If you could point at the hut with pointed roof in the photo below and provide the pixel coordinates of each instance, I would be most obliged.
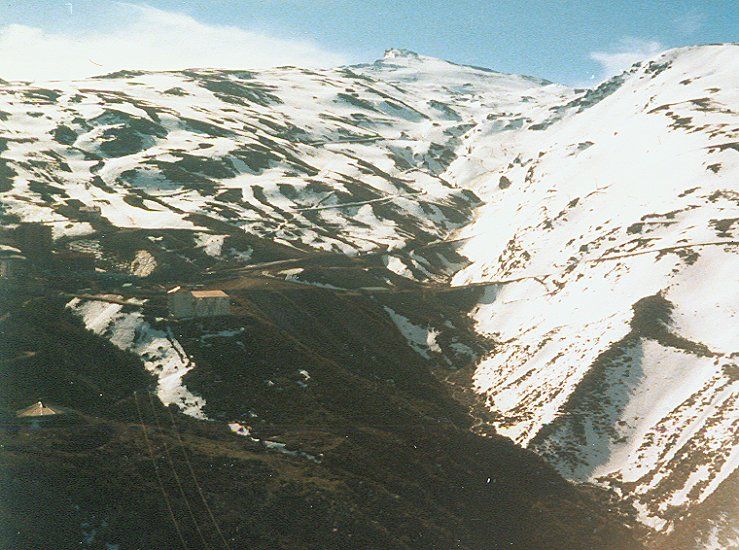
(38, 409)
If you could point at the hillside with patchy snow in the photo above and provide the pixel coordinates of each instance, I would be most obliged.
(346, 159)
(601, 224)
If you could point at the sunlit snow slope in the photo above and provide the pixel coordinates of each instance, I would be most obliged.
(617, 346)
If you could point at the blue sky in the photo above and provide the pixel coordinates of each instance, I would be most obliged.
(569, 41)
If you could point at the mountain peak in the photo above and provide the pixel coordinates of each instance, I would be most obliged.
(400, 53)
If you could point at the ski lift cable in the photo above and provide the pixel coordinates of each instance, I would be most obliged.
(195, 480)
(158, 475)
(176, 475)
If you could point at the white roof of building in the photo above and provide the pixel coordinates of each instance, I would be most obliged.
(209, 294)
(199, 293)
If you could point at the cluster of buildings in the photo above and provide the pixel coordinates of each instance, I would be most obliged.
(32, 248)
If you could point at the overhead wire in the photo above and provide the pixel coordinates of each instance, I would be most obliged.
(195, 480)
(176, 475)
(158, 474)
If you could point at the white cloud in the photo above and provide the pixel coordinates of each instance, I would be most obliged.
(149, 39)
(628, 52)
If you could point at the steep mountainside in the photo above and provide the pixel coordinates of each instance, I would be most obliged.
(615, 218)
(407, 231)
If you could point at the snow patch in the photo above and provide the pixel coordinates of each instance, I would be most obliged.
(161, 353)
(422, 340)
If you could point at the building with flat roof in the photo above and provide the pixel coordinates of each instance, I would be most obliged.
(185, 303)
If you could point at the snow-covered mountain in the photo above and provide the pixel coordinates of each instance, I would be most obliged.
(347, 159)
(616, 219)
(600, 223)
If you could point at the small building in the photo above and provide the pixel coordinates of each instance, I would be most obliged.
(93, 210)
(38, 409)
(197, 303)
(11, 263)
(89, 212)
(34, 239)
(73, 261)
